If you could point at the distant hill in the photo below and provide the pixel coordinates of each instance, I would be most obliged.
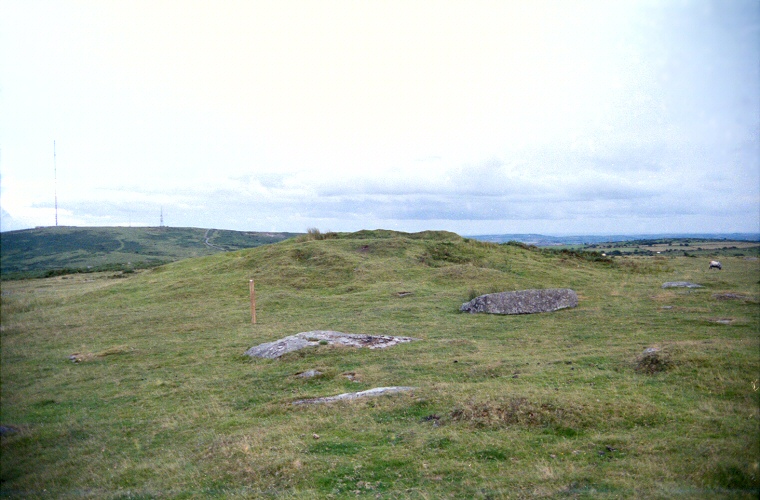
(47, 251)
(543, 240)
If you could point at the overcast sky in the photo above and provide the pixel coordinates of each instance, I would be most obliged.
(554, 117)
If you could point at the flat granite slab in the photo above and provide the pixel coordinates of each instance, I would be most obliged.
(272, 350)
(522, 302)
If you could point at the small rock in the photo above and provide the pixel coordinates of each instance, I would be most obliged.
(315, 436)
(7, 430)
(309, 374)
(728, 296)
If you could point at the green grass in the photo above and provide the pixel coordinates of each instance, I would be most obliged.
(163, 404)
(56, 251)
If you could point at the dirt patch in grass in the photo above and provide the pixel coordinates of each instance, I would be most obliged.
(747, 299)
(83, 357)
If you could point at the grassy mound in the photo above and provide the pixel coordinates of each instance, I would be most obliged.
(163, 403)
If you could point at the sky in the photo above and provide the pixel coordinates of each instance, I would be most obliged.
(478, 117)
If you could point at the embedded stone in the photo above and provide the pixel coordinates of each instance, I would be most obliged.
(377, 391)
(272, 350)
(522, 302)
(680, 284)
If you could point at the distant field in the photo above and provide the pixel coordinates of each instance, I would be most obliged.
(680, 246)
(63, 250)
(162, 402)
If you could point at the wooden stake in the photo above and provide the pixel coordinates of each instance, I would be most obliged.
(252, 289)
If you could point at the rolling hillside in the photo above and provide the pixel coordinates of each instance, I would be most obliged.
(63, 250)
(162, 402)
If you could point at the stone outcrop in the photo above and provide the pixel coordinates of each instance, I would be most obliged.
(377, 391)
(680, 284)
(522, 302)
(301, 340)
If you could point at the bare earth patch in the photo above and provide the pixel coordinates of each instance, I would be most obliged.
(83, 357)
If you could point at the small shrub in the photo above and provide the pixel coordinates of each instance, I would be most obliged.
(652, 360)
(520, 244)
(315, 234)
(301, 255)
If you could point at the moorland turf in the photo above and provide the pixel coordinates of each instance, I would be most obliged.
(162, 402)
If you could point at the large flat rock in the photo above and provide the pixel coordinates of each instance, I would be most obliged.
(522, 302)
(301, 340)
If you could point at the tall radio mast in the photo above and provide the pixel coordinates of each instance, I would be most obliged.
(55, 182)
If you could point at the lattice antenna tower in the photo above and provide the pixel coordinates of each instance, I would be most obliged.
(161, 224)
(55, 185)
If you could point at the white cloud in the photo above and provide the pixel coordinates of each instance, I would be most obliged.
(398, 113)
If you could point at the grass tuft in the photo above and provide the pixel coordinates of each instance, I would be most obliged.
(512, 412)
(653, 360)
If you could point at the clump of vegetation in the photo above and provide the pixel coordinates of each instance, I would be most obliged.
(566, 253)
(513, 411)
(314, 234)
(587, 255)
(653, 360)
(520, 244)
(654, 265)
